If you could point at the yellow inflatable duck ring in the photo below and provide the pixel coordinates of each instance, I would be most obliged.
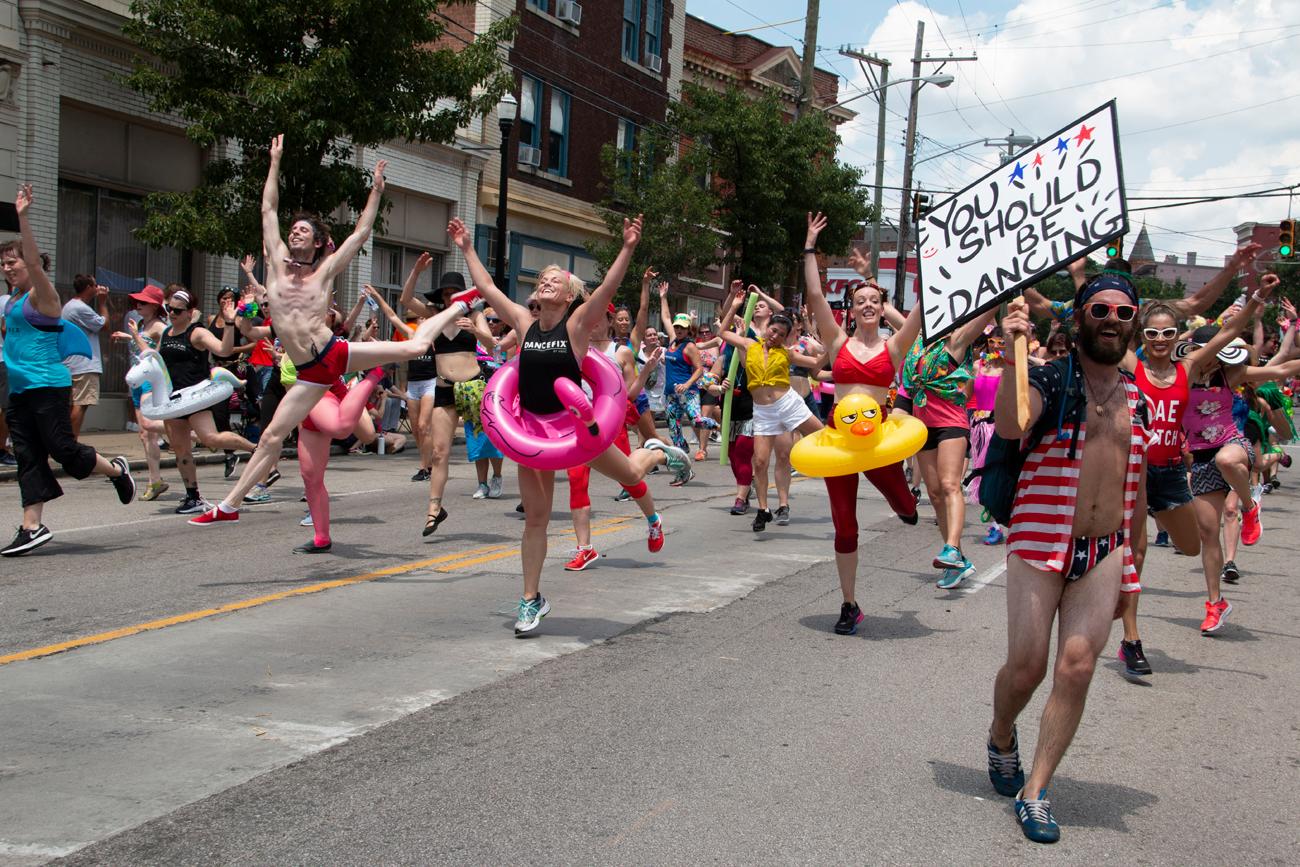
(861, 439)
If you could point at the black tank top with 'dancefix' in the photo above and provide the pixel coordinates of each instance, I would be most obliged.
(545, 357)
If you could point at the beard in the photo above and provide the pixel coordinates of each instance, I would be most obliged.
(1092, 345)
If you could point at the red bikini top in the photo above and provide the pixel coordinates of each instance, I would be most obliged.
(878, 370)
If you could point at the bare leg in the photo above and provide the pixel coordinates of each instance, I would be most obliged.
(1209, 514)
(178, 434)
(582, 526)
(1032, 599)
(1231, 525)
(929, 463)
(781, 446)
(294, 407)
(78, 416)
(441, 429)
(762, 457)
(537, 487)
(1180, 524)
(629, 470)
(1087, 610)
(149, 431)
(206, 429)
(951, 461)
(1234, 466)
(645, 426)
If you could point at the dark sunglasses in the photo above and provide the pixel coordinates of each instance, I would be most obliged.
(1123, 312)
(177, 311)
(534, 307)
(1159, 333)
(492, 320)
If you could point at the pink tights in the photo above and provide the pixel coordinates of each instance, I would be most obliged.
(335, 416)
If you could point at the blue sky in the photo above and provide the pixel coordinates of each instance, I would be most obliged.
(1207, 92)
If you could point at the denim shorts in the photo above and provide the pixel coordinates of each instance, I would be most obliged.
(1167, 488)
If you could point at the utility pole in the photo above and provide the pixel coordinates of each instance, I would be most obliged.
(881, 96)
(806, 92)
(904, 214)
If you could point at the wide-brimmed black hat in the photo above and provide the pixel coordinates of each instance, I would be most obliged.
(451, 280)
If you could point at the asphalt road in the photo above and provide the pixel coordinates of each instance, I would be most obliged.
(681, 708)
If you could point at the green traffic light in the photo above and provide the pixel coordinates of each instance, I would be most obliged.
(1284, 250)
(1112, 252)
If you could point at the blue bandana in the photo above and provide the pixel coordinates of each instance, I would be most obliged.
(1102, 282)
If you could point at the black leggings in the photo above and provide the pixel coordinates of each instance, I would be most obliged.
(41, 427)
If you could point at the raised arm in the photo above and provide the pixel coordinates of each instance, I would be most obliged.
(408, 299)
(1201, 300)
(44, 297)
(776, 306)
(738, 295)
(515, 314)
(643, 309)
(402, 328)
(276, 251)
(350, 321)
(204, 339)
(1200, 359)
(963, 337)
(337, 261)
(592, 311)
(814, 293)
(904, 336)
(664, 316)
(893, 316)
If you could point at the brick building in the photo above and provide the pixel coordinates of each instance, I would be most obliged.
(589, 75)
(92, 149)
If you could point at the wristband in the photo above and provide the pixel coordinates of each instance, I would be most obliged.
(808, 250)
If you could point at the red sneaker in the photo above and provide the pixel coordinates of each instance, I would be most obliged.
(1251, 529)
(582, 558)
(1215, 614)
(655, 541)
(215, 516)
(469, 296)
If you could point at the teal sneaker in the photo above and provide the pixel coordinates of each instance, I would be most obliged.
(1035, 818)
(679, 463)
(948, 558)
(1005, 772)
(953, 576)
(259, 494)
(531, 612)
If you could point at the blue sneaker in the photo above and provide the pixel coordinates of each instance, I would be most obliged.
(995, 535)
(531, 612)
(1005, 772)
(1162, 539)
(948, 558)
(953, 576)
(1035, 818)
(259, 494)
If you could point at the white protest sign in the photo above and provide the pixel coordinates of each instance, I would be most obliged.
(1052, 203)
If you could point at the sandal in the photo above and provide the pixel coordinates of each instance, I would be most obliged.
(432, 521)
(700, 456)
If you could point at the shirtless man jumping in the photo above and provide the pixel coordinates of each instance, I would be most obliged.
(300, 279)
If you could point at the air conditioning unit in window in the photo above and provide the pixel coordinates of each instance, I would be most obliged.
(653, 62)
(568, 10)
(530, 156)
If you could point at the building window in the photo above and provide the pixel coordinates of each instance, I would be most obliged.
(632, 30)
(626, 145)
(96, 235)
(557, 143)
(389, 266)
(530, 109)
(541, 5)
(654, 14)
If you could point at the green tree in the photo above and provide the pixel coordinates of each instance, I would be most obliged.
(679, 236)
(740, 160)
(332, 75)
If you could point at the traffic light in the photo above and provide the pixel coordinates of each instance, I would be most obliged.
(1114, 248)
(920, 205)
(1286, 239)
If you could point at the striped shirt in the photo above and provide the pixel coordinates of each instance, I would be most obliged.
(1043, 511)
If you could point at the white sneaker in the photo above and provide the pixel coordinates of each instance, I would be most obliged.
(494, 488)
(307, 521)
(481, 493)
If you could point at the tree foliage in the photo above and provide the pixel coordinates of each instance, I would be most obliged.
(332, 75)
(755, 173)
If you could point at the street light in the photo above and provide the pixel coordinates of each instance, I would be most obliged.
(1012, 143)
(507, 111)
(941, 80)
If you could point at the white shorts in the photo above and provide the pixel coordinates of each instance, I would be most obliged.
(785, 415)
(418, 388)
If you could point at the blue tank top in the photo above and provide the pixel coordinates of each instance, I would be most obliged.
(31, 351)
(676, 368)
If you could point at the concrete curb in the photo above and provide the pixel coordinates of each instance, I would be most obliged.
(9, 474)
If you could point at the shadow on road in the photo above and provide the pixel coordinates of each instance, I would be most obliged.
(905, 625)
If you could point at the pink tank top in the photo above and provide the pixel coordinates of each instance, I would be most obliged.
(986, 391)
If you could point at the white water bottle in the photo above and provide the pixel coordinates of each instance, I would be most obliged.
(381, 442)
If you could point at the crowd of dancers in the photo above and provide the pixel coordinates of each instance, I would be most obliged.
(1185, 417)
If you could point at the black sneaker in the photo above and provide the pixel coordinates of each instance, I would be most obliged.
(232, 461)
(761, 520)
(312, 548)
(1005, 772)
(850, 617)
(782, 516)
(421, 475)
(1135, 661)
(27, 541)
(1230, 574)
(123, 484)
(272, 478)
(192, 506)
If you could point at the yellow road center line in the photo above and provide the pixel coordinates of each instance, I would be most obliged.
(494, 552)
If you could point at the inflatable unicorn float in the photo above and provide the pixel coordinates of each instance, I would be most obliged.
(161, 402)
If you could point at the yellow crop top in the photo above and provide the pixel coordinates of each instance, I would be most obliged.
(770, 369)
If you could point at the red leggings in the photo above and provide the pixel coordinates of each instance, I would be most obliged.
(580, 477)
(843, 491)
(741, 456)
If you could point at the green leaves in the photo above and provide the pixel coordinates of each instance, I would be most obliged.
(333, 75)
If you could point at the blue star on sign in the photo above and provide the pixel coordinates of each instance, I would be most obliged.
(1062, 144)
(1018, 173)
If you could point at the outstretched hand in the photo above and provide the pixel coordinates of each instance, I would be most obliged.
(277, 148)
(379, 176)
(228, 310)
(459, 235)
(816, 223)
(23, 199)
(632, 231)
(860, 263)
(1246, 254)
(649, 275)
(422, 264)
(1267, 284)
(662, 288)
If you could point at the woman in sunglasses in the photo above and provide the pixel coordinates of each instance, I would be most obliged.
(184, 348)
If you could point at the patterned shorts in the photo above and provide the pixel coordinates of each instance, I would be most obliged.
(1206, 478)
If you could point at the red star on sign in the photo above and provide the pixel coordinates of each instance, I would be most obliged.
(1085, 133)
(1038, 159)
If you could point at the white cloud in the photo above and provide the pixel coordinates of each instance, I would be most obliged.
(1167, 63)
